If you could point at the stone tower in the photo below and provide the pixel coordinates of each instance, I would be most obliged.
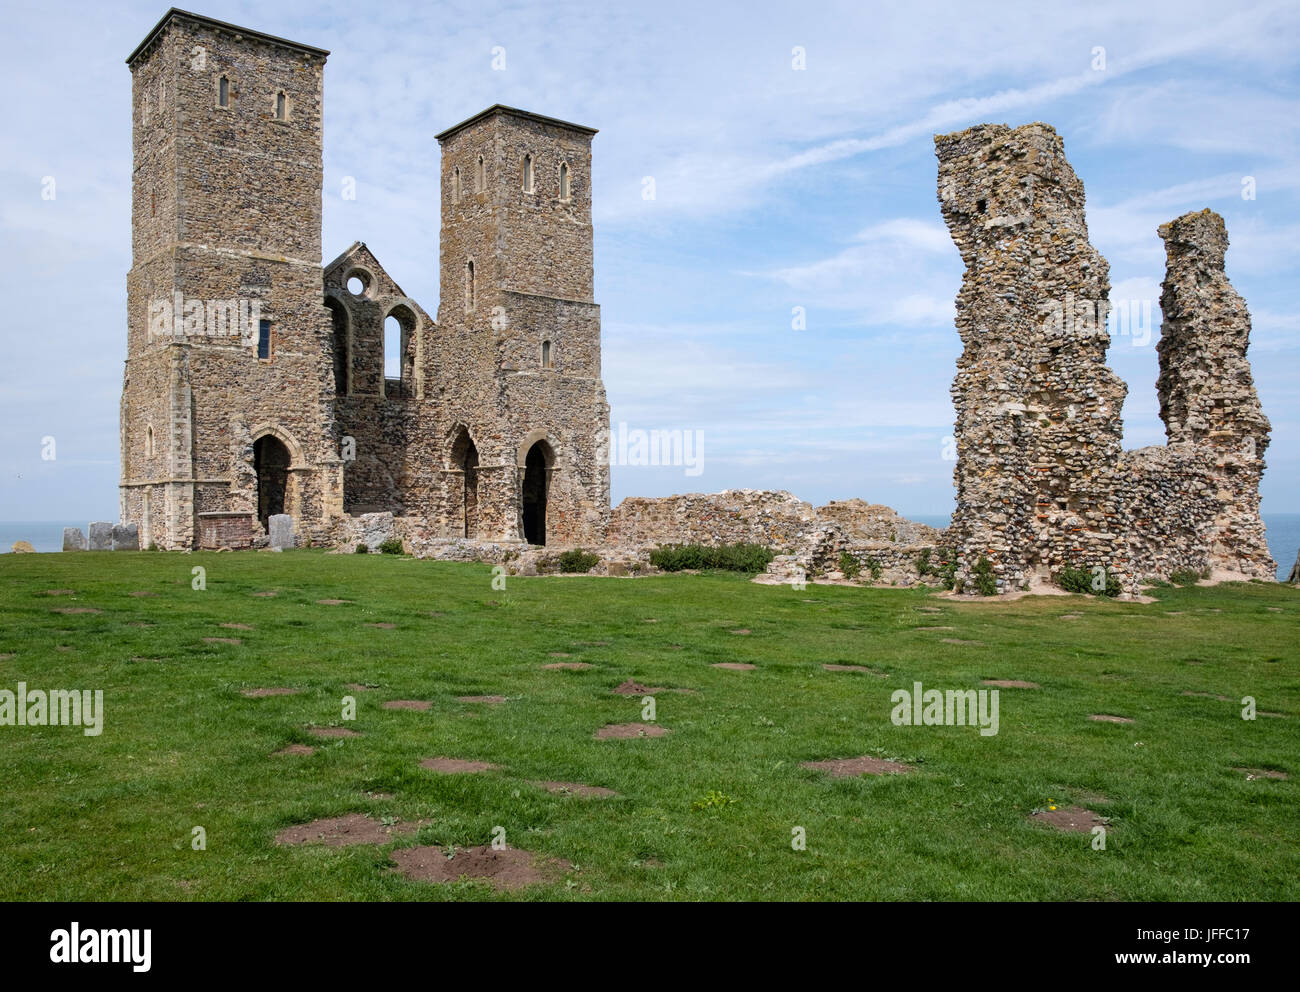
(228, 357)
(519, 332)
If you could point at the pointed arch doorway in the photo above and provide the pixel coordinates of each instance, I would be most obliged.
(535, 490)
(271, 464)
(464, 461)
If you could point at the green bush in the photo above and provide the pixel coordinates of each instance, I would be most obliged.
(362, 549)
(748, 558)
(984, 580)
(391, 547)
(923, 565)
(577, 561)
(1183, 577)
(849, 566)
(876, 571)
(1081, 580)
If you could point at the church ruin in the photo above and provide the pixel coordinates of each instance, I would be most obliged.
(259, 382)
(255, 378)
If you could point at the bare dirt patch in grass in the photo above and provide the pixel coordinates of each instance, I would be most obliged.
(456, 766)
(633, 688)
(1109, 718)
(1205, 695)
(506, 870)
(70, 610)
(358, 687)
(955, 640)
(142, 592)
(332, 732)
(262, 693)
(1071, 616)
(383, 626)
(852, 767)
(734, 666)
(267, 594)
(222, 640)
(1011, 684)
(236, 626)
(856, 668)
(64, 592)
(629, 731)
(332, 602)
(742, 631)
(576, 789)
(1075, 819)
(567, 666)
(342, 831)
(491, 700)
(408, 704)
(296, 749)
(592, 644)
(934, 628)
(1257, 773)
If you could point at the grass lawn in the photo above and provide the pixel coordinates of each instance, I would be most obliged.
(111, 817)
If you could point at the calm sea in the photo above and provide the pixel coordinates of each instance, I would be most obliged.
(1283, 535)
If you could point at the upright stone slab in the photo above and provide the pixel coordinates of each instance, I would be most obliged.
(74, 539)
(101, 536)
(126, 537)
(281, 528)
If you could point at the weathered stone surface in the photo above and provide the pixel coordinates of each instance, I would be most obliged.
(126, 537)
(22, 548)
(74, 539)
(1294, 577)
(1042, 481)
(281, 531)
(101, 536)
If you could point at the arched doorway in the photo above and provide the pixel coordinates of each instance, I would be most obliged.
(537, 466)
(464, 458)
(271, 463)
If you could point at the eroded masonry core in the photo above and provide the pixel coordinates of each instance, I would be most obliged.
(1043, 483)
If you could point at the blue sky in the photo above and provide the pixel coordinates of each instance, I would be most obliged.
(775, 188)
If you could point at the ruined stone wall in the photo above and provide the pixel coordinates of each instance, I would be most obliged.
(775, 519)
(1042, 482)
(1207, 394)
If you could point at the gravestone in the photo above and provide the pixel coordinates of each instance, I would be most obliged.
(101, 536)
(280, 526)
(126, 537)
(73, 539)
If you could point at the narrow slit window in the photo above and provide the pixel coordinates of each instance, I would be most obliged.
(528, 173)
(469, 285)
(564, 181)
(455, 185)
(546, 354)
(479, 183)
(223, 92)
(263, 339)
(280, 107)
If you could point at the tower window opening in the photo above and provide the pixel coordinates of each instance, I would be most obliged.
(528, 173)
(223, 92)
(455, 185)
(546, 354)
(280, 106)
(564, 181)
(469, 285)
(263, 339)
(479, 181)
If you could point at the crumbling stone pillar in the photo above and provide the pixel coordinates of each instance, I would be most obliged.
(1207, 394)
(1038, 412)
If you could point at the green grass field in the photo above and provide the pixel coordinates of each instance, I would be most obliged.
(111, 817)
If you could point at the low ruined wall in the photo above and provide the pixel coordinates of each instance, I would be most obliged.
(774, 519)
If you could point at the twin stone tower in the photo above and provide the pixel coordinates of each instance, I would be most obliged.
(259, 382)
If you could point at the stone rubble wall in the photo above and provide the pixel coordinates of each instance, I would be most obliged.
(1042, 480)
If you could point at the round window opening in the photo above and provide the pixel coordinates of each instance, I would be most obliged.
(356, 287)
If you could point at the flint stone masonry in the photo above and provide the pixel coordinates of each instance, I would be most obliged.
(74, 539)
(494, 424)
(1042, 481)
(281, 532)
(101, 536)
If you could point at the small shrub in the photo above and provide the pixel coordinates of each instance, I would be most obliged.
(748, 558)
(985, 583)
(391, 547)
(947, 573)
(923, 566)
(362, 549)
(153, 546)
(1183, 577)
(849, 566)
(1084, 580)
(577, 561)
(713, 799)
